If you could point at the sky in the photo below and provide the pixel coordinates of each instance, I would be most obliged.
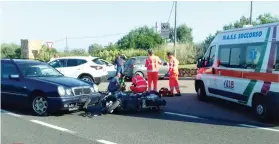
(109, 21)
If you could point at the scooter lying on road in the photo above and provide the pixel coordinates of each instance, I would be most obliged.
(125, 101)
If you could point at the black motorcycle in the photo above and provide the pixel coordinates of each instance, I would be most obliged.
(124, 101)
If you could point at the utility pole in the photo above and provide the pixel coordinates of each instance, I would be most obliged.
(175, 13)
(156, 27)
(251, 8)
(66, 48)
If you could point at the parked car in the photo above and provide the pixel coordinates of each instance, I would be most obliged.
(38, 86)
(111, 69)
(136, 65)
(82, 67)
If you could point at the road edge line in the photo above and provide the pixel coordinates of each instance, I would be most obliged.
(183, 115)
(105, 142)
(10, 113)
(53, 126)
(257, 127)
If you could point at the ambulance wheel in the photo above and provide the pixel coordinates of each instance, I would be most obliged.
(260, 108)
(201, 93)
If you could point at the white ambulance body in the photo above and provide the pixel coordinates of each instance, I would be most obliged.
(242, 66)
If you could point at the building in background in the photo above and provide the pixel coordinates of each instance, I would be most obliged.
(30, 48)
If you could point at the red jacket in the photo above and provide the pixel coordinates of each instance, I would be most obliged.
(152, 63)
(139, 81)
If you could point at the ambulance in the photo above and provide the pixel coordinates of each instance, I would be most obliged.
(242, 66)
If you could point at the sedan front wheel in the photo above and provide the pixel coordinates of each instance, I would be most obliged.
(40, 105)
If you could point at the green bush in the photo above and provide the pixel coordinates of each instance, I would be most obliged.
(109, 55)
(186, 53)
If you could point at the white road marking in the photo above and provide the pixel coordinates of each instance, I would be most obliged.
(10, 113)
(53, 126)
(183, 115)
(105, 142)
(262, 128)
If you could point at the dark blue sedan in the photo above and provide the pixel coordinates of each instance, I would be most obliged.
(38, 86)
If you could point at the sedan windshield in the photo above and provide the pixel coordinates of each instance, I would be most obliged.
(38, 70)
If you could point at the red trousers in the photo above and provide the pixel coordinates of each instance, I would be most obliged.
(173, 82)
(137, 90)
(152, 77)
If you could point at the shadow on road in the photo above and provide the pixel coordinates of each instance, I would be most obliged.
(27, 112)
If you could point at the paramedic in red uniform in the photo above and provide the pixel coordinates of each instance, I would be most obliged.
(152, 64)
(173, 74)
(139, 84)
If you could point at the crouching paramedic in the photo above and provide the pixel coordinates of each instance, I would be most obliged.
(139, 84)
(173, 74)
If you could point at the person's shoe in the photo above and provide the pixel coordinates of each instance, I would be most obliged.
(178, 94)
(170, 95)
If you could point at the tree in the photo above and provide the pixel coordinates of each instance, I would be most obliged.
(93, 47)
(10, 50)
(45, 54)
(111, 46)
(202, 47)
(78, 52)
(184, 34)
(140, 38)
(239, 23)
(267, 18)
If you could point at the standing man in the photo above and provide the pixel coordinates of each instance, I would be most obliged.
(119, 62)
(152, 64)
(173, 74)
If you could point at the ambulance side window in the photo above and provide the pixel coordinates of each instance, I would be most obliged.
(212, 56)
(209, 56)
(224, 56)
(276, 61)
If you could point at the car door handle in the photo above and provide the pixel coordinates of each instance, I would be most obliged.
(78, 68)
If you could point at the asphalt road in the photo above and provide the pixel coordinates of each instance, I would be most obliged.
(184, 120)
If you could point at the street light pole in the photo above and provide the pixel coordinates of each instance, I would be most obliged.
(175, 36)
(251, 8)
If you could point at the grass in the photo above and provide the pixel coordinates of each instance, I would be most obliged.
(188, 66)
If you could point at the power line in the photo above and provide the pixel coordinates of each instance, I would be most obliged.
(90, 37)
(171, 11)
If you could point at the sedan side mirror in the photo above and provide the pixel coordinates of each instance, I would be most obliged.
(16, 77)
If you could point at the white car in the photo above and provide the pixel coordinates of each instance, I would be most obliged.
(81, 67)
(109, 67)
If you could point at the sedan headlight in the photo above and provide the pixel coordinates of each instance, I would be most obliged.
(92, 89)
(68, 91)
(95, 88)
(61, 91)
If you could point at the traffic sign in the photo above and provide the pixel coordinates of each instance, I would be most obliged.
(165, 30)
(165, 27)
(49, 44)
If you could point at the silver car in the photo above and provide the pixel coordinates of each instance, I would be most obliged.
(136, 65)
